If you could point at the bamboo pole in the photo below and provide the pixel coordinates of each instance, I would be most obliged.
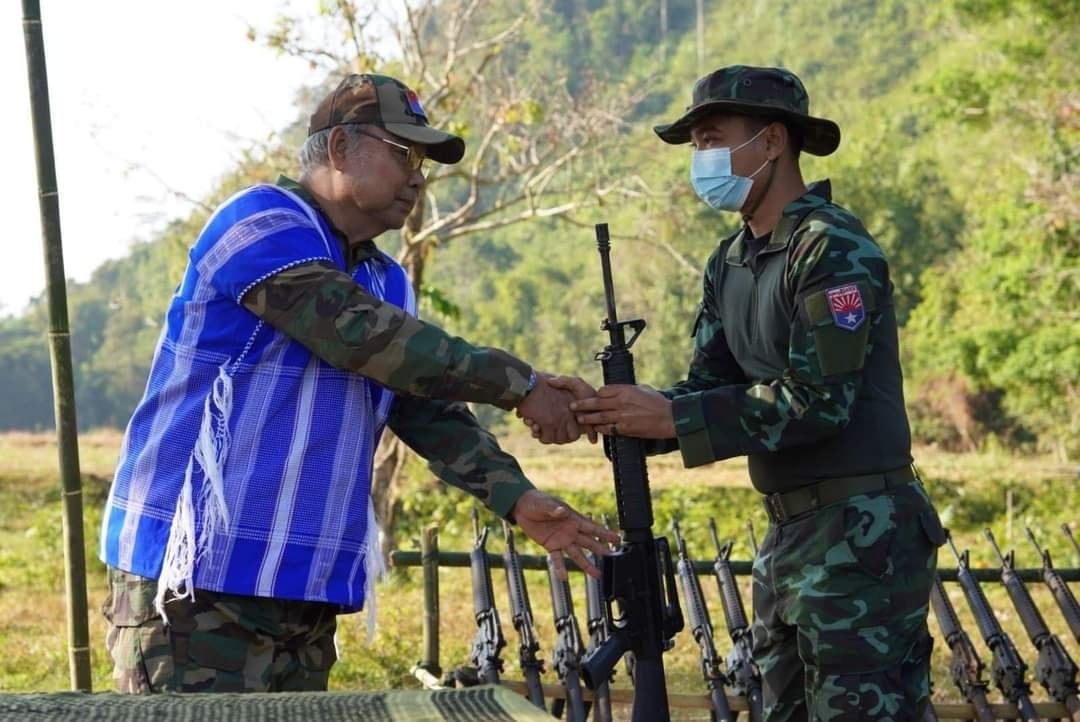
(60, 352)
(430, 563)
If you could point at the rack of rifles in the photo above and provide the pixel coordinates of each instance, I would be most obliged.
(735, 682)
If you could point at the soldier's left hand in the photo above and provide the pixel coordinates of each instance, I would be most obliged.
(552, 524)
(627, 410)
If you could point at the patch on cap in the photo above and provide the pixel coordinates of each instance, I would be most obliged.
(414, 104)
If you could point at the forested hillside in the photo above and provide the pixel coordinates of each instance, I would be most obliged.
(960, 150)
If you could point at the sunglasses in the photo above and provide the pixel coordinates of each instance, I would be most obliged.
(414, 157)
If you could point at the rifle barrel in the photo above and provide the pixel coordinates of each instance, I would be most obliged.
(997, 550)
(1068, 532)
(752, 538)
(568, 645)
(521, 616)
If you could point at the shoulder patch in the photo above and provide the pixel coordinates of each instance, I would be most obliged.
(846, 305)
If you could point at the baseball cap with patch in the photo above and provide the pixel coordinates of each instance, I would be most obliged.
(747, 90)
(383, 101)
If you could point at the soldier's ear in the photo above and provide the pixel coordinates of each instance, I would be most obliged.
(776, 140)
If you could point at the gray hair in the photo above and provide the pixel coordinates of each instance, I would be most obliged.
(315, 152)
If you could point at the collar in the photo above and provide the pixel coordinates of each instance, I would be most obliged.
(817, 194)
(355, 252)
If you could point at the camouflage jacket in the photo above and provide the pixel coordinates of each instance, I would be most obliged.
(796, 359)
(432, 372)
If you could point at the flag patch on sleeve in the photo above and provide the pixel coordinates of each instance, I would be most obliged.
(846, 305)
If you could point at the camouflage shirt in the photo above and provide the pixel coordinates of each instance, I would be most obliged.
(796, 359)
(432, 372)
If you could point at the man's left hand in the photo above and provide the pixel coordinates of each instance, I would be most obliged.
(640, 411)
(555, 526)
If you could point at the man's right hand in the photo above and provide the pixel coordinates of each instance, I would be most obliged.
(547, 410)
(577, 388)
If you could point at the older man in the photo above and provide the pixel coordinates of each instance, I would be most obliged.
(795, 365)
(240, 523)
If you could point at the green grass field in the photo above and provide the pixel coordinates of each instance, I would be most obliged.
(971, 492)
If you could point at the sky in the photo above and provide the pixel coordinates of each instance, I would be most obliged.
(147, 98)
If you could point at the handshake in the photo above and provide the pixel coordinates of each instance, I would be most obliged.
(560, 409)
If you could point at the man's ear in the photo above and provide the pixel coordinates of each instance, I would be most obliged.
(337, 147)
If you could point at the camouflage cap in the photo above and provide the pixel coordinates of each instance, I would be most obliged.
(383, 101)
(747, 90)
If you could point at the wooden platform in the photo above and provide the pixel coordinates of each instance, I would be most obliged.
(480, 704)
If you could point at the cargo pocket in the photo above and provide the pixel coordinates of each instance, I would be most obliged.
(869, 532)
(848, 681)
(130, 601)
(931, 526)
(136, 639)
(142, 658)
(320, 655)
(216, 663)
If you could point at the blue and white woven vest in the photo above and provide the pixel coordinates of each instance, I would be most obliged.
(246, 467)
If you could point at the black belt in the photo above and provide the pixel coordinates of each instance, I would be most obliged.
(783, 506)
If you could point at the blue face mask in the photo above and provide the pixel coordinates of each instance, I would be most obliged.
(713, 181)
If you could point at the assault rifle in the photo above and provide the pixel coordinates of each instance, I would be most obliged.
(597, 622)
(744, 674)
(1007, 670)
(649, 614)
(568, 648)
(521, 615)
(1062, 594)
(489, 639)
(1054, 669)
(965, 667)
(701, 627)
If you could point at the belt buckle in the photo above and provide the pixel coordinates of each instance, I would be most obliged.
(774, 507)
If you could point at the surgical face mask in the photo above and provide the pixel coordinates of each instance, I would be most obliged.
(713, 181)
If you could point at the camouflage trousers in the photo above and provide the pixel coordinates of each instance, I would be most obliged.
(840, 600)
(216, 643)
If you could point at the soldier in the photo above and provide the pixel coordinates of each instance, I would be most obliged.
(240, 523)
(795, 365)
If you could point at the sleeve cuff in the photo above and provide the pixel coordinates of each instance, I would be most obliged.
(691, 430)
(517, 376)
(505, 496)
